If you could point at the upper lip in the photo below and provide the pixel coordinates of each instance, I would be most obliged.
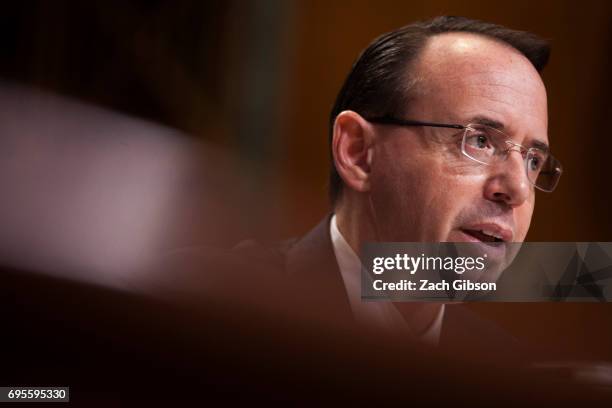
(492, 228)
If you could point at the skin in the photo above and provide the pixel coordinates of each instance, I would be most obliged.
(412, 183)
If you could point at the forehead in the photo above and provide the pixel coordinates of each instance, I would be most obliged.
(461, 76)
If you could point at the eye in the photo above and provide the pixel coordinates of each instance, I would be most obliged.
(534, 164)
(479, 141)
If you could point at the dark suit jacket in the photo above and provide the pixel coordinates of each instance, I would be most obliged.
(310, 264)
(223, 347)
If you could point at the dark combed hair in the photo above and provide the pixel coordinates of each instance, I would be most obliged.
(379, 81)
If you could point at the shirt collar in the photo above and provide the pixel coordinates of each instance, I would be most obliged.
(378, 313)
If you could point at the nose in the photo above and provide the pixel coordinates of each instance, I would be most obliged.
(507, 182)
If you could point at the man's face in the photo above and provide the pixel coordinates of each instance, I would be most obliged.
(422, 187)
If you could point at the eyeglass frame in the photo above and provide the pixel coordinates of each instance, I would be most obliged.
(390, 120)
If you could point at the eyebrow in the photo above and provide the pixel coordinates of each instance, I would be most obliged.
(483, 120)
(495, 124)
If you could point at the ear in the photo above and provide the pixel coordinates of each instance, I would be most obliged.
(352, 150)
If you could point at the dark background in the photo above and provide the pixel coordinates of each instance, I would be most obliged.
(258, 78)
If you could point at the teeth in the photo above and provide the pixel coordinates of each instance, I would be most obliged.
(491, 234)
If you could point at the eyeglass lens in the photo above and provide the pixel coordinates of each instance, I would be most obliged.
(488, 146)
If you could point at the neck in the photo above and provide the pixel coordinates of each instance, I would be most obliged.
(357, 224)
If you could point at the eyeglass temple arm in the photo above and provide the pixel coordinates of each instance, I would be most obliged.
(387, 120)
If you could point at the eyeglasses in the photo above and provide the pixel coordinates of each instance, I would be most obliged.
(488, 146)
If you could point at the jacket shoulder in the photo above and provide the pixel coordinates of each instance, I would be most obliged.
(274, 254)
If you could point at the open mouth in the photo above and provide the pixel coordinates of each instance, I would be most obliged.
(484, 235)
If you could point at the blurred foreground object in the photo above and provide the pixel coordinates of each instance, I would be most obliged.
(95, 195)
(92, 201)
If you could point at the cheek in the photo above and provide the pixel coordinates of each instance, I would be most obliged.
(452, 193)
(460, 182)
(419, 198)
(522, 218)
(399, 195)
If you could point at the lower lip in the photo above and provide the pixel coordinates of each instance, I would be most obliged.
(494, 249)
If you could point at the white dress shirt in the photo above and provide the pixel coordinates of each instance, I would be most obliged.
(376, 314)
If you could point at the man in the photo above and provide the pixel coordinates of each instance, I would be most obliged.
(439, 133)
(418, 155)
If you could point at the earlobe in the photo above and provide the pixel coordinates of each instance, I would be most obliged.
(352, 150)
